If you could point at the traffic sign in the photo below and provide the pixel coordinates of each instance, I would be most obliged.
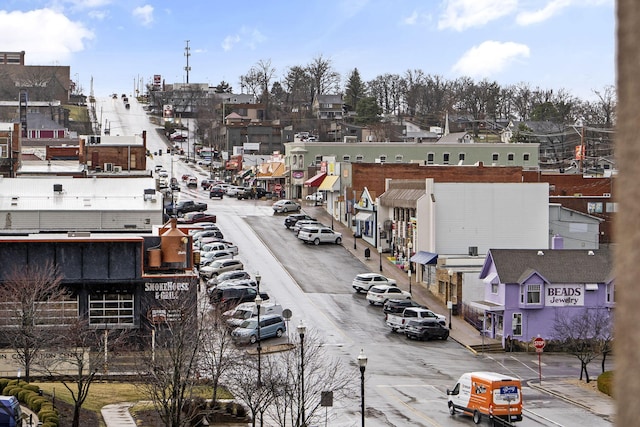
(277, 187)
(539, 344)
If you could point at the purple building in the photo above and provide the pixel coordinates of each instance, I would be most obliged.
(526, 289)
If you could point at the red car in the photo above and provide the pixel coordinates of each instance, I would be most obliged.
(195, 217)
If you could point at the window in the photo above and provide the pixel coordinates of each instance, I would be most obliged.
(525, 157)
(442, 287)
(430, 158)
(383, 158)
(111, 309)
(510, 158)
(294, 160)
(461, 157)
(399, 158)
(359, 158)
(530, 294)
(4, 148)
(495, 157)
(612, 207)
(494, 288)
(49, 313)
(346, 158)
(318, 160)
(516, 324)
(610, 293)
(445, 158)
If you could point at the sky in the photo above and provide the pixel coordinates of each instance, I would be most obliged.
(548, 44)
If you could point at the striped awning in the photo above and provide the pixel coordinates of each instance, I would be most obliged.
(424, 257)
(316, 180)
(328, 183)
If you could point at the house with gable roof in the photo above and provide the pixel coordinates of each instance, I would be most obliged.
(525, 289)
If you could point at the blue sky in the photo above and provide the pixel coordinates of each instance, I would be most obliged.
(551, 44)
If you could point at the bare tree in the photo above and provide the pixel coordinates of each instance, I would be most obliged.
(585, 334)
(81, 351)
(33, 303)
(170, 370)
(324, 77)
(254, 393)
(321, 373)
(219, 355)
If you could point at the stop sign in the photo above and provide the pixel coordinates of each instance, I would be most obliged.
(277, 187)
(538, 343)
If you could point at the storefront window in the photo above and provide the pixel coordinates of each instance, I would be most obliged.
(112, 309)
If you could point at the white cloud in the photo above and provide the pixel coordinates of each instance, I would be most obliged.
(462, 14)
(489, 58)
(412, 19)
(250, 38)
(552, 8)
(229, 42)
(45, 35)
(144, 14)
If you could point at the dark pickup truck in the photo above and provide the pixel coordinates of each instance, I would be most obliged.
(186, 206)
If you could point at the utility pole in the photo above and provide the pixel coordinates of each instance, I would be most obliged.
(187, 53)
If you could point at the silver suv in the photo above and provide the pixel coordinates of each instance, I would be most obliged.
(317, 235)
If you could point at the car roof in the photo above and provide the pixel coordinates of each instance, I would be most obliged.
(383, 287)
(370, 275)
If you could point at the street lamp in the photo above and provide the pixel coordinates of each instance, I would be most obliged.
(362, 362)
(380, 245)
(258, 301)
(449, 297)
(301, 330)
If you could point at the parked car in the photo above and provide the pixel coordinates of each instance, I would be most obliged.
(162, 173)
(398, 321)
(285, 206)
(363, 282)
(271, 325)
(247, 310)
(221, 266)
(292, 219)
(220, 246)
(317, 196)
(206, 258)
(394, 306)
(207, 233)
(186, 206)
(233, 190)
(379, 294)
(230, 296)
(196, 217)
(426, 329)
(306, 223)
(229, 275)
(216, 192)
(317, 235)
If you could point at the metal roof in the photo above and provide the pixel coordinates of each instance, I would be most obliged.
(78, 194)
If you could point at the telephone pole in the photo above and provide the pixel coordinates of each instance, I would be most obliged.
(187, 53)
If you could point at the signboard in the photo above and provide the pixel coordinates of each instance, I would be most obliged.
(157, 81)
(277, 187)
(564, 295)
(539, 344)
(508, 389)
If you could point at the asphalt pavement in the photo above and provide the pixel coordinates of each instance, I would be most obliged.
(118, 415)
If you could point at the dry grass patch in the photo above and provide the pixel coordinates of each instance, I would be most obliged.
(100, 394)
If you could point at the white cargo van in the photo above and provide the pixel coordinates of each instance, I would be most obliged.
(246, 310)
(486, 394)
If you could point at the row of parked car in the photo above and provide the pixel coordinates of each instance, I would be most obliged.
(233, 291)
(402, 314)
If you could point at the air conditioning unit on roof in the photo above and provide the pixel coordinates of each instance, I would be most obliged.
(117, 168)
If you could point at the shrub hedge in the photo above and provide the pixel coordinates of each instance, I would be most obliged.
(28, 395)
(605, 382)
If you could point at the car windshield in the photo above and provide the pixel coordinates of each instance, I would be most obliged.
(216, 264)
(242, 314)
(377, 290)
(364, 278)
(249, 324)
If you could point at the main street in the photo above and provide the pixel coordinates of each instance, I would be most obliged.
(405, 380)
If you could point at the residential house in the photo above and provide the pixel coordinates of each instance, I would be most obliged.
(527, 289)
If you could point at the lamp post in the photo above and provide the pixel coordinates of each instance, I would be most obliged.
(449, 297)
(362, 363)
(380, 245)
(301, 330)
(258, 302)
(409, 274)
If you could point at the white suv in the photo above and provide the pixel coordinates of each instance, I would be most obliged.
(363, 282)
(318, 234)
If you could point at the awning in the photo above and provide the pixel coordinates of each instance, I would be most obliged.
(246, 173)
(328, 183)
(364, 216)
(424, 257)
(316, 180)
(486, 306)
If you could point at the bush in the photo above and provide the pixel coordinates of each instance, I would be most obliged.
(49, 424)
(3, 383)
(605, 383)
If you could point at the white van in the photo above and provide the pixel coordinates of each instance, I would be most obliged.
(247, 310)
